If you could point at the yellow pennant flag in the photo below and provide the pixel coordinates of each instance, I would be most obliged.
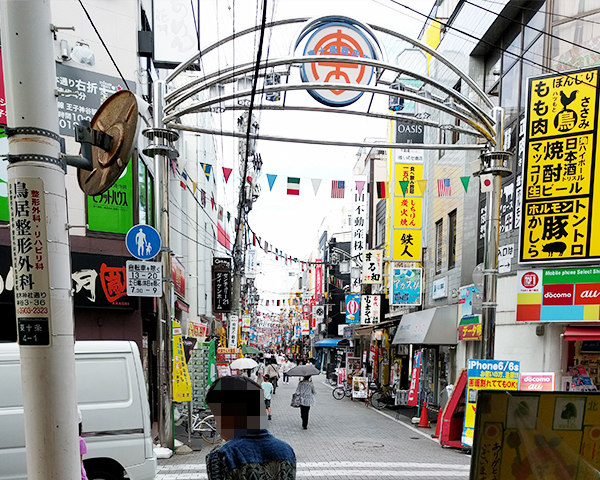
(194, 185)
(422, 186)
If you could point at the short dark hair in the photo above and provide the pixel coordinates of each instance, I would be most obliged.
(236, 395)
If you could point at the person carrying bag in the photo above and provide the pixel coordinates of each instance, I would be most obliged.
(272, 374)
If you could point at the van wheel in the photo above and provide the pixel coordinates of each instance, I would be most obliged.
(99, 475)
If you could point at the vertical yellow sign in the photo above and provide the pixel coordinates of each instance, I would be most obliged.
(408, 208)
(182, 387)
(560, 216)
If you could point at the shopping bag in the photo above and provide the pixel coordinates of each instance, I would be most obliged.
(295, 400)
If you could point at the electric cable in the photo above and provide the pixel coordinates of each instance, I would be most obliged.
(489, 44)
(583, 47)
(104, 44)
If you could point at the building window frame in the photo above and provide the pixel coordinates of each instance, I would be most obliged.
(439, 242)
(452, 239)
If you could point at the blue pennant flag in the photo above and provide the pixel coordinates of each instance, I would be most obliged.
(271, 179)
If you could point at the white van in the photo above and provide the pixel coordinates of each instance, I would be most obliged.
(111, 395)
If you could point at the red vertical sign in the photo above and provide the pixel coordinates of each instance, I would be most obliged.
(415, 380)
(3, 120)
(319, 280)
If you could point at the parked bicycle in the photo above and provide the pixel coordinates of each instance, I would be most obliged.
(373, 388)
(203, 424)
(384, 397)
(342, 391)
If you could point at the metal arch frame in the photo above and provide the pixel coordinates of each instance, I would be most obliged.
(179, 95)
(487, 133)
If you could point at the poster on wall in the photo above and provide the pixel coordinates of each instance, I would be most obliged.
(352, 308)
(406, 286)
(530, 435)
(353, 366)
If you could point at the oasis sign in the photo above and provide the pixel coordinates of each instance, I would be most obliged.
(342, 37)
(558, 295)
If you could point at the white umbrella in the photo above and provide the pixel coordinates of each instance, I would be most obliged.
(243, 364)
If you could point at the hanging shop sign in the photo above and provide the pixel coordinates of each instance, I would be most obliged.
(112, 211)
(469, 328)
(182, 387)
(415, 380)
(469, 325)
(372, 268)
(197, 330)
(144, 279)
(178, 276)
(245, 323)
(27, 203)
(337, 36)
(232, 331)
(305, 327)
(352, 308)
(486, 375)
(406, 285)
(558, 295)
(560, 217)
(3, 120)
(536, 435)
(359, 229)
(370, 309)
(251, 259)
(409, 132)
(318, 313)
(407, 212)
(221, 280)
(319, 280)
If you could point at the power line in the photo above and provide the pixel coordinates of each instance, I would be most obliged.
(516, 56)
(104, 44)
(583, 47)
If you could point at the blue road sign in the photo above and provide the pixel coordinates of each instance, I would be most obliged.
(143, 242)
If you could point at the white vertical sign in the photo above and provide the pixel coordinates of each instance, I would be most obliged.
(370, 309)
(251, 263)
(359, 227)
(372, 266)
(233, 331)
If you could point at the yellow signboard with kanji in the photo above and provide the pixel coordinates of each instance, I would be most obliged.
(561, 219)
(411, 173)
(182, 387)
(408, 212)
(407, 245)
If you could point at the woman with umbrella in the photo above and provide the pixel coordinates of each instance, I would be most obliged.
(306, 389)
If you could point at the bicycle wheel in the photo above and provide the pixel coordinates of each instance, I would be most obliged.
(348, 392)
(379, 400)
(338, 393)
(208, 430)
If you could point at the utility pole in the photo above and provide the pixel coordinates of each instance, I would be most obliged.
(161, 148)
(40, 243)
(495, 162)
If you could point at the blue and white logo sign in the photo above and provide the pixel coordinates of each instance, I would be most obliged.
(337, 36)
(143, 242)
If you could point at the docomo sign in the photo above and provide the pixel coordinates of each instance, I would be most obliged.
(337, 36)
(540, 382)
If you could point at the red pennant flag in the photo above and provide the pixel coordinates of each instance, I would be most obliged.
(254, 239)
(212, 201)
(226, 173)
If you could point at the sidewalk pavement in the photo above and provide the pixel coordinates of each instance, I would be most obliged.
(344, 439)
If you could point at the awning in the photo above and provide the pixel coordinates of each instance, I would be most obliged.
(434, 326)
(573, 334)
(332, 342)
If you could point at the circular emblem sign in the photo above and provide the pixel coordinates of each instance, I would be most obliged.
(352, 307)
(530, 280)
(338, 39)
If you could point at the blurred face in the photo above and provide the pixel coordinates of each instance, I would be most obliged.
(233, 420)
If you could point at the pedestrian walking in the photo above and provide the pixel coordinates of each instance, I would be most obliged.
(306, 390)
(267, 388)
(272, 374)
(286, 366)
(250, 451)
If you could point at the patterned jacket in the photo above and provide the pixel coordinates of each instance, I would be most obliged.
(307, 392)
(255, 456)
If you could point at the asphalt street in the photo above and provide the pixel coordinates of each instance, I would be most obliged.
(344, 439)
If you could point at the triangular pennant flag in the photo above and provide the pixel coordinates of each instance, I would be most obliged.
(173, 167)
(228, 217)
(206, 168)
(316, 183)
(465, 182)
(381, 189)
(271, 179)
(226, 173)
(422, 186)
(404, 186)
(184, 175)
(194, 185)
(293, 186)
(212, 201)
(220, 214)
(360, 184)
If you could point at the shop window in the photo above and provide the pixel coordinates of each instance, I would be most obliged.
(452, 240)
(439, 230)
(585, 32)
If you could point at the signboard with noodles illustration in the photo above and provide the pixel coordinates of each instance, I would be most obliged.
(560, 217)
(530, 436)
